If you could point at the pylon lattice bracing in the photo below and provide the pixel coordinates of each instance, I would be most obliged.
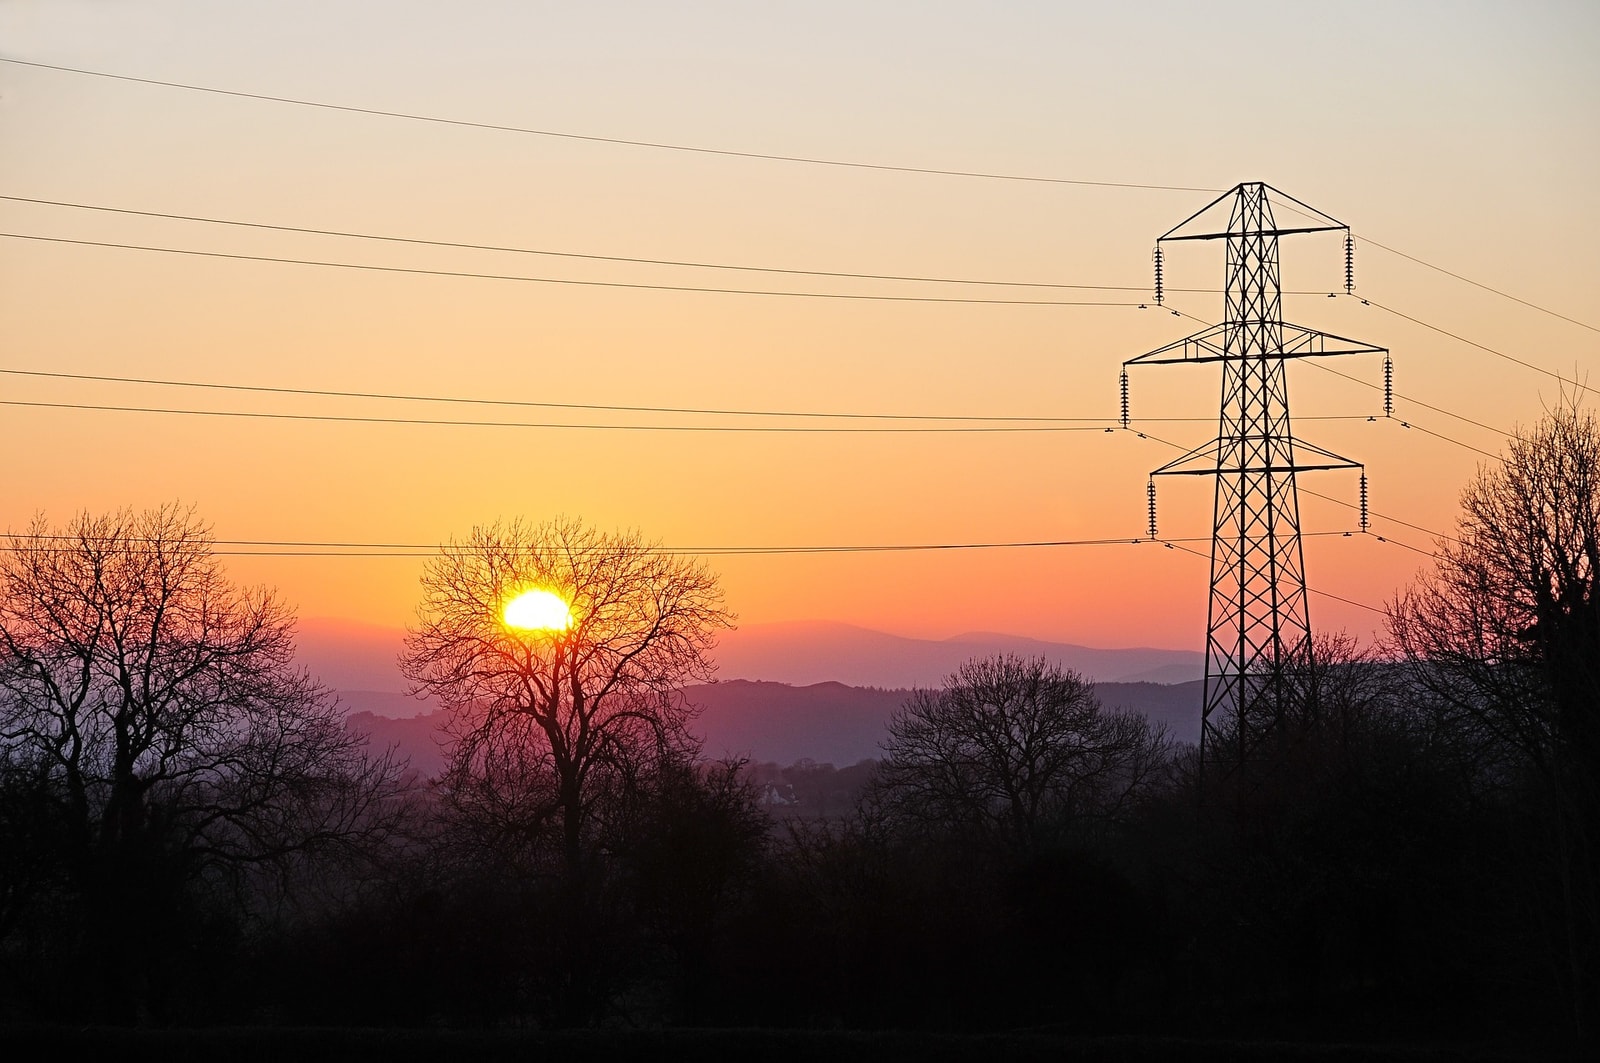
(1258, 631)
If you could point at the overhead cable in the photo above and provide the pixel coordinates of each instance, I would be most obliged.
(659, 145)
(589, 257)
(355, 419)
(371, 267)
(1101, 422)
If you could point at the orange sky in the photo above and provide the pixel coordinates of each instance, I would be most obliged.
(1469, 141)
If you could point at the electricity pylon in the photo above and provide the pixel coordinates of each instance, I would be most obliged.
(1258, 630)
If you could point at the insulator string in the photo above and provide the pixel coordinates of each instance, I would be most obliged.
(1150, 493)
(1160, 258)
(1124, 398)
(1388, 386)
(1365, 521)
(1349, 264)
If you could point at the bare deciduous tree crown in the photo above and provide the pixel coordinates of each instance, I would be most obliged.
(544, 721)
(1506, 627)
(139, 685)
(1017, 748)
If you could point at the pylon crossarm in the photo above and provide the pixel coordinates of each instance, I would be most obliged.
(1302, 342)
(1207, 451)
(1234, 470)
(1338, 461)
(1332, 222)
(1256, 232)
(1203, 346)
(1210, 345)
(1320, 222)
(1228, 195)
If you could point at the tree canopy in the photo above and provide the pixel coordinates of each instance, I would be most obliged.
(1016, 749)
(545, 721)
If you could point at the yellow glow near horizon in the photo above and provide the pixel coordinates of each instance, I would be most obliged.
(538, 610)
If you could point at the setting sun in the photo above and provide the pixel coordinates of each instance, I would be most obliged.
(538, 610)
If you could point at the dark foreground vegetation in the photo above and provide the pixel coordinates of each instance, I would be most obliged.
(198, 862)
(272, 1044)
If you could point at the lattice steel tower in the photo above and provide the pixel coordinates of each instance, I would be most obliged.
(1259, 631)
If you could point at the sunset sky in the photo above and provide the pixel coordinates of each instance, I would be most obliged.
(1462, 134)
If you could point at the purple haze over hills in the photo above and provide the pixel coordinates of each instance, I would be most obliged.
(349, 656)
(787, 691)
(829, 723)
(814, 651)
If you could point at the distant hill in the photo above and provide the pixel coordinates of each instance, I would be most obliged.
(811, 651)
(349, 656)
(416, 738)
(830, 723)
(1176, 705)
(804, 690)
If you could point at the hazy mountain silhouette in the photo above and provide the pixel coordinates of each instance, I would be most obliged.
(803, 689)
(815, 651)
(350, 656)
(830, 723)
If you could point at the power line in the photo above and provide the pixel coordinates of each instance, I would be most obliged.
(394, 550)
(1450, 439)
(347, 418)
(561, 280)
(300, 548)
(1100, 422)
(1480, 284)
(1403, 423)
(1102, 426)
(606, 407)
(463, 123)
(1410, 399)
(1471, 343)
(310, 548)
(1448, 273)
(291, 549)
(1327, 498)
(284, 549)
(1312, 590)
(1382, 516)
(574, 254)
(354, 419)
(588, 257)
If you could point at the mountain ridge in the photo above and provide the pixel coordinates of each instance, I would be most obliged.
(348, 655)
(828, 722)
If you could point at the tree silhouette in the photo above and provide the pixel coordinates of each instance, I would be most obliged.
(547, 721)
(557, 730)
(1014, 749)
(1502, 641)
(153, 721)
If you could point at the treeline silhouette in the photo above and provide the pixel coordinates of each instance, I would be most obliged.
(1377, 876)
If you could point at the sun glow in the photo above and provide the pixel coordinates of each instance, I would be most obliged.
(538, 610)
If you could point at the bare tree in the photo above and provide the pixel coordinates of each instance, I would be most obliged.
(1502, 642)
(548, 722)
(157, 713)
(1506, 624)
(1015, 748)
